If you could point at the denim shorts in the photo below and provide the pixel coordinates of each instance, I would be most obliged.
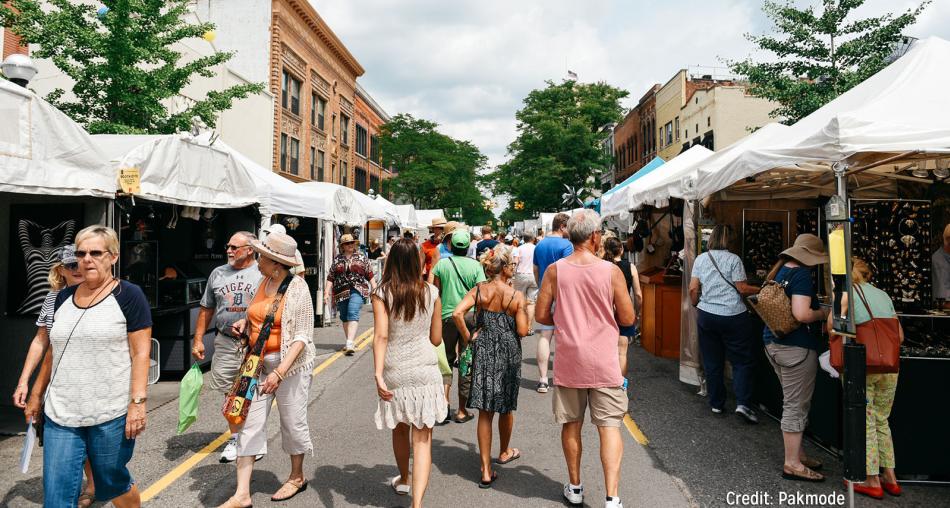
(65, 450)
(349, 310)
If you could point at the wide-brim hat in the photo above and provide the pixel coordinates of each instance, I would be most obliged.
(807, 250)
(438, 222)
(278, 247)
(451, 226)
(347, 238)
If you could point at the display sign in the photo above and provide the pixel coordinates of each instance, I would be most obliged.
(130, 181)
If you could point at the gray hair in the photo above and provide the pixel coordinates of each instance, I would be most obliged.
(527, 237)
(582, 226)
(248, 236)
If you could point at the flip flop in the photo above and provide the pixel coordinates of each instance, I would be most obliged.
(463, 419)
(399, 488)
(515, 455)
(482, 484)
(85, 499)
(300, 488)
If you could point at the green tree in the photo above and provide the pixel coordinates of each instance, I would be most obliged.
(560, 130)
(435, 170)
(122, 63)
(819, 53)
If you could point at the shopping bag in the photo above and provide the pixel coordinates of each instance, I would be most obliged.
(444, 367)
(188, 393)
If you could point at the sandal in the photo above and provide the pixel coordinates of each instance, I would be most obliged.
(515, 455)
(803, 475)
(467, 417)
(299, 488)
(232, 503)
(482, 484)
(811, 463)
(86, 499)
(400, 488)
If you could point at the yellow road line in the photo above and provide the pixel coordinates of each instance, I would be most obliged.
(634, 430)
(179, 470)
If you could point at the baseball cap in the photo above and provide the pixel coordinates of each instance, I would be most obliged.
(461, 239)
(68, 255)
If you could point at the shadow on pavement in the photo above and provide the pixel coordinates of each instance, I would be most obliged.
(359, 485)
(179, 446)
(30, 490)
(214, 488)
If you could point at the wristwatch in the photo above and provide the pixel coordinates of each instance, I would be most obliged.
(139, 400)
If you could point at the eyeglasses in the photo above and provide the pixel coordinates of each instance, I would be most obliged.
(96, 254)
(71, 266)
(234, 247)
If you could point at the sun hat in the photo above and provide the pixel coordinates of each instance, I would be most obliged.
(276, 228)
(461, 239)
(279, 247)
(451, 226)
(347, 238)
(68, 255)
(807, 250)
(438, 222)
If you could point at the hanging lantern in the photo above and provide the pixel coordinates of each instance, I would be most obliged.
(101, 13)
(209, 36)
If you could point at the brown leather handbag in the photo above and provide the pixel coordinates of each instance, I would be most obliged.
(881, 339)
(774, 306)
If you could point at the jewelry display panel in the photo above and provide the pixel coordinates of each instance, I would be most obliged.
(762, 242)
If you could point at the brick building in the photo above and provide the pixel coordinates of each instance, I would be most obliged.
(368, 172)
(10, 44)
(634, 141)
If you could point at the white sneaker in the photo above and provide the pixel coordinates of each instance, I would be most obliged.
(613, 503)
(229, 454)
(574, 495)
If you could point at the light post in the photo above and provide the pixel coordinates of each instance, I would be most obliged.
(19, 69)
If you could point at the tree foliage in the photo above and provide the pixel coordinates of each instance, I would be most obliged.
(122, 63)
(560, 130)
(819, 53)
(434, 170)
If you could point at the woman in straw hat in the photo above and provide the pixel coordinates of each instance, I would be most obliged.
(350, 283)
(794, 357)
(288, 357)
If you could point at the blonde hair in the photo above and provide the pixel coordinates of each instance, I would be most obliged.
(56, 279)
(107, 234)
(494, 260)
(860, 271)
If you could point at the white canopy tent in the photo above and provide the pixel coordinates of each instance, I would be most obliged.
(641, 191)
(545, 221)
(900, 110)
(182, 170)
(42, 151)
(382, 206)
(344, 206)
(425, 217)
(408, 217)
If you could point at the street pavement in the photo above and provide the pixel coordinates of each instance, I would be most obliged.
(692, 458)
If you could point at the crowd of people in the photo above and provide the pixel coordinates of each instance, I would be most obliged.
(450, 310)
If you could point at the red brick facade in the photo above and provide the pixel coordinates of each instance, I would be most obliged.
(634, 137)
(11, 44)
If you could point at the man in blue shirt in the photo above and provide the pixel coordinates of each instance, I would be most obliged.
(487, 243)
(553, 247)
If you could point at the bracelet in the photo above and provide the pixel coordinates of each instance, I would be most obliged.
(278, 374)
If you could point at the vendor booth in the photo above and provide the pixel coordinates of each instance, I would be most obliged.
(880, 154)
(53, 182)
(191, 197)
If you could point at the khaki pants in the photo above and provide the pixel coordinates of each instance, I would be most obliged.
(225, 363)
(796, 368)
(292, 396)
(607, 405)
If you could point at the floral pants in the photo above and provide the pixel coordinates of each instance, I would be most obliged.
(880, 397)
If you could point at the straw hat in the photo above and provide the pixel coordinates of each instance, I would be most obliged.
(438, 222)
(807, 250)
(279, 247)
(347, 238)
(451, 226)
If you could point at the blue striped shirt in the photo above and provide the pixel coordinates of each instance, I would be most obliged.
(716, 295)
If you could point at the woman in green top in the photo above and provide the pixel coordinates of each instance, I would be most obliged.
(880, 393)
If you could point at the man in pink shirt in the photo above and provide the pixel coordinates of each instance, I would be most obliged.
(592, 300)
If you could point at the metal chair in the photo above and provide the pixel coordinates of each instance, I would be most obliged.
(154, 371)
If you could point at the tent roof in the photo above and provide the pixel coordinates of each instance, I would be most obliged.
(643, 191)
(182, 170)
(900, 109)
(345, 207)
(614, 201)
(408, 217)
(42, 151)
(425, 216)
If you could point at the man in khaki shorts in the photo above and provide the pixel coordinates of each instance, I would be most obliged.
(592, 300)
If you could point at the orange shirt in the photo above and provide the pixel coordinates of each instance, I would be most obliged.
(256, 313)
(431, 250)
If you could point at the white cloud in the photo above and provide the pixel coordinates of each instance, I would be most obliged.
(468, 64)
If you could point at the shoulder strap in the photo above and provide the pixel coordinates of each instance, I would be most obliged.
(711, 258)
(510, 299)
(860, 293)
(464, 283)
(269, 319)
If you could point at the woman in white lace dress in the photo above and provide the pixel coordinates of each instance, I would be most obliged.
(408, 327)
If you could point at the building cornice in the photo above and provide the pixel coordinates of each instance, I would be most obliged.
(320, 28)
(369, 101)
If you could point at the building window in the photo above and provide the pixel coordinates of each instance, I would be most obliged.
(374, 149)
(345, 129)
(676, 128)
(294, 156)
(290, 93)
(321, 161)
(333, 125)
(318, 110)
(283, 152)
(708, 121)
(344, 173)
(313, 162)
(359, 179)
(374, 183)
(669, 134)
(361, 140)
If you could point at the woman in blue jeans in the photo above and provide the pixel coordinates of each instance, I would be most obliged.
(350, 284)
(726, 330)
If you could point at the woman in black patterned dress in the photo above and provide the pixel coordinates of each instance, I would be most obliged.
(501, 321)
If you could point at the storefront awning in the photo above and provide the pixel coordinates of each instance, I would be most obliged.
(42, 151)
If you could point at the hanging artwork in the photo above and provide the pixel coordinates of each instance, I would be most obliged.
(38, 234)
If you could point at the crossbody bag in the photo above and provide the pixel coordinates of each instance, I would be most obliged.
(742, 299)
(238, 401)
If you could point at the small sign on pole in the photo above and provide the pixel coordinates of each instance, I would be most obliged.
(130, 181)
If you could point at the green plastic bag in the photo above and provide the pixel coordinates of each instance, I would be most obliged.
(188, 393)
(444, 367)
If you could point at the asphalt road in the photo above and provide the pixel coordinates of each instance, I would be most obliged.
(692, 458)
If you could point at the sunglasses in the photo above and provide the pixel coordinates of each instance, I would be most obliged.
(234, 247)
(96, 254)
(71, 266)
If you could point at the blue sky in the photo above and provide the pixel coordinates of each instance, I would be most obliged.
(467, 64)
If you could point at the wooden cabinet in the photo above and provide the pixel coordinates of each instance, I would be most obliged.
(660, 319)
